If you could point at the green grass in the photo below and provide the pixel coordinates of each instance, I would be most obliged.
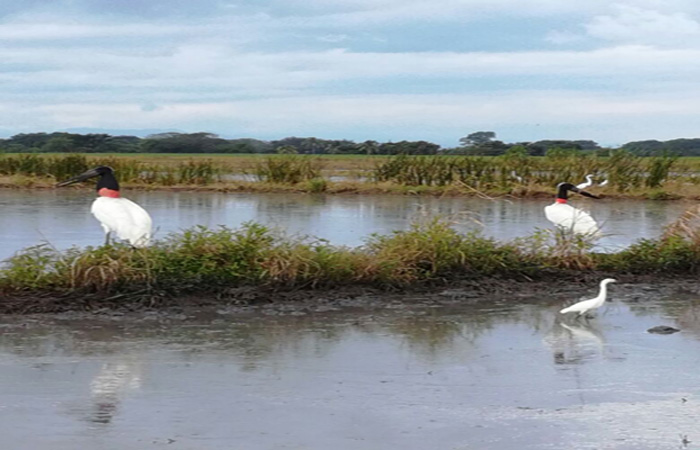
(657, 178)
(202, 261)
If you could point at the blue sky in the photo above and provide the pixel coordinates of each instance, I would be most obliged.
(385, 70)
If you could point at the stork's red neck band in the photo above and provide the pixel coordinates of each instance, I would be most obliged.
(106, 192)
(561, 200)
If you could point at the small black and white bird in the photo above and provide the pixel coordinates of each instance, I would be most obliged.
(566, 216)
(116, 214)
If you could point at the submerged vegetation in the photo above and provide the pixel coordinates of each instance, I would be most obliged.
(203, 261)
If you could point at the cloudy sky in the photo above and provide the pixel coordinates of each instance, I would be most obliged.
(357, 69)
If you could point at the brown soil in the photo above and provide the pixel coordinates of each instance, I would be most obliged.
(247, 299)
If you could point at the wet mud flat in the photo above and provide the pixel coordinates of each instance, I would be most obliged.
(451, 367)
(248, 299)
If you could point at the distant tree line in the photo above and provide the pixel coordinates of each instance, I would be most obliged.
(203, 143)
(477, 143)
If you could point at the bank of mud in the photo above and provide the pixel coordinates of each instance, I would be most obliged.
(253, 299)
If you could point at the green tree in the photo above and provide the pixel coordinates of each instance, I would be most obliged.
(59, 144)
(477, 138)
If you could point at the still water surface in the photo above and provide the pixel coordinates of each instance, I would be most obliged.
(62, 217)
(488, 376)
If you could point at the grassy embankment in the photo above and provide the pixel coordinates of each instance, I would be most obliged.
(214, 263)
(629, 176)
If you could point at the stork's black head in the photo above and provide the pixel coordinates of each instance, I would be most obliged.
(564, 188)
(106, 180)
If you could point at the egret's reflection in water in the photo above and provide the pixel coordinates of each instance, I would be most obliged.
(397, 376)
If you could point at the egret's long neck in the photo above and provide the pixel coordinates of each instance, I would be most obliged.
(603, 292)
(107, 186)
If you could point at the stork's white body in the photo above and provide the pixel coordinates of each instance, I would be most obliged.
(583, 307)
(570, 218)
(128, 220)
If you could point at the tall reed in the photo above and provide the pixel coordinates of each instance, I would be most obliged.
(624, 171)
(60, 167)
(288, 168)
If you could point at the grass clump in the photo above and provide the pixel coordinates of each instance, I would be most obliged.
(287, 168)
(667, 255)
(61, 167)
(208, 261)
(434, 250)
(203, 261)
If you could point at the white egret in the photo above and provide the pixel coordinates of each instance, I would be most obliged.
(583, 307)
(515, 175)
(116, 214)
(566, 216)
(587, 183)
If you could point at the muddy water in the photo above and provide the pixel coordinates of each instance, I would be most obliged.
(490, 375)
(62, 217)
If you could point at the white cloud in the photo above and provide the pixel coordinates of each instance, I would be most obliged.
(276, 72)
(642, 26)
(194, 69)
(334, 38)
(52, 31)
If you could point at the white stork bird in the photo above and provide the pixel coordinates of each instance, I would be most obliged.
(566, 216)
(116, 214)
(587, 183)
(583, 307)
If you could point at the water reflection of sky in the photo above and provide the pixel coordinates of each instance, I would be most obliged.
(62, 216)
(484, 376)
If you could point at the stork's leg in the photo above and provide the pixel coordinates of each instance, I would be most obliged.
(107, 238)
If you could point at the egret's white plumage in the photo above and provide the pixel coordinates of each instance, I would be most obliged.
(118, 215)
(587, 183)
(583, 307)
(126, 219)
(566, 216)
(604, 183)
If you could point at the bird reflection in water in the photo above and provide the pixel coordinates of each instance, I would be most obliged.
(575, 343)
(109, 387)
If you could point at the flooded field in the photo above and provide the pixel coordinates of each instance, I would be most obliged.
(62, 218)
(389, 373)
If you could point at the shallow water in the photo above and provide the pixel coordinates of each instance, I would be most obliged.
(490, 375)
(62, 217)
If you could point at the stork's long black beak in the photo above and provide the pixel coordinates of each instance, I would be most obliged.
(82, 177)
(584, 193)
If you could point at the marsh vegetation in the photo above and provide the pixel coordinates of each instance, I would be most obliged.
(206, 261)
(515, 174)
